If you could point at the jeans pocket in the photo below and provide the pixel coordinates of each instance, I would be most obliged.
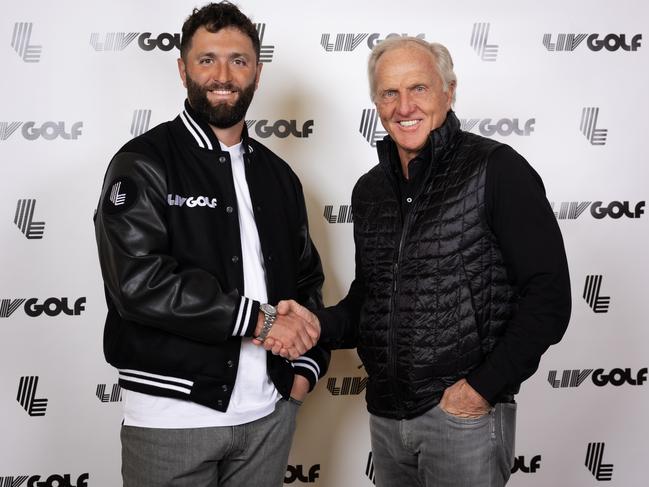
(295, 402)
(465, 421)
(506, 428)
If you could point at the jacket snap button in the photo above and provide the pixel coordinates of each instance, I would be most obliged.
(230, 363)
(222, 159)
(225, 388)
(229, 209)
(235, 259)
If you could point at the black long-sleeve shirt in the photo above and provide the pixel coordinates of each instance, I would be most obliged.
(522, 220)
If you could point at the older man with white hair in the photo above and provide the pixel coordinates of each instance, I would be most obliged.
(461, 281)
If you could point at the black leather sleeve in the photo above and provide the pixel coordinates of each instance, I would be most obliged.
(142, 279)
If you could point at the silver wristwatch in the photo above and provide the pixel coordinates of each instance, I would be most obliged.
(270, 314)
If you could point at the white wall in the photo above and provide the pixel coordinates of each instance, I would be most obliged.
(67, 80)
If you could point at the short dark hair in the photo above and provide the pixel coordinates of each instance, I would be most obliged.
(214, 17)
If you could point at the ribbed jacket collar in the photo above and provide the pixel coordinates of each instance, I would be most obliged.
(201, 132)
(441, 139)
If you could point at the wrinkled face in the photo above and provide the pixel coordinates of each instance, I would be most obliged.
(410, 97)
(221, 75)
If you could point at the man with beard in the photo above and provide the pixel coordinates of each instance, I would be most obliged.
(199, 228)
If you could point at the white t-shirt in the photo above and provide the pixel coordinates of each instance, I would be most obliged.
(254, 395)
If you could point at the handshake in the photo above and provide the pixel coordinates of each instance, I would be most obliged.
(295, 330)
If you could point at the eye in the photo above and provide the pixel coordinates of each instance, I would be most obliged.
(240, 61)
(420, 89)
(389, 94)
(205, 60)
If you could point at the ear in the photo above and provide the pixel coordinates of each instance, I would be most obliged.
(258, 75)
(182, 71)
(450, 93)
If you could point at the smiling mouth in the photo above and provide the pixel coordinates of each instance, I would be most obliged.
(222, 92)
(408, 123)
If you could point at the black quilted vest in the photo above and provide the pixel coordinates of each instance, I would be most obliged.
(437, 296)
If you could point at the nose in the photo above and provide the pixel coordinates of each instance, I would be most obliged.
(405, 105)
(221, 72)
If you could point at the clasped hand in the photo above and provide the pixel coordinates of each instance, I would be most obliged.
(295, 331)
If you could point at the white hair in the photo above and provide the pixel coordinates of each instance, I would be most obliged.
(443, 60)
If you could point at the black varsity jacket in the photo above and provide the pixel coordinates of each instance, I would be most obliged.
(170, 253)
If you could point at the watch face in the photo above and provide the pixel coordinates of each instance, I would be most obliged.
(268, 309)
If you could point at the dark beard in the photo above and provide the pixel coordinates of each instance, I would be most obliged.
(223, 115)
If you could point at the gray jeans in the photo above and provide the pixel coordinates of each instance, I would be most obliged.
(440, 450)
(255, 453)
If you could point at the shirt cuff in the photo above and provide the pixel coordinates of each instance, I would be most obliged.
(245, 317)
(308, 368)
(487, 382)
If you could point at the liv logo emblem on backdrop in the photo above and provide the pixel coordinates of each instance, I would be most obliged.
(350, 386)
(503, 126)
(51, 307)
(118, 41)
(47, 130)
(20, 41)
(599, 377)
(8, 128)
(592, 288)
(54, 480)
(520, 464)
(147, 41)
(588, 126)
(369, 469)
(27, 396)
(594, 462)
(610, 42)
(479, 39)
(296, 472)
(114, 396)
(349, 42)
(344, 215)
(24, 219)
(265, 51)
(140, 122)
(280, 128)
(571, 210)
(370, 126)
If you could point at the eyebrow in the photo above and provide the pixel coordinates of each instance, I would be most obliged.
(231, 55)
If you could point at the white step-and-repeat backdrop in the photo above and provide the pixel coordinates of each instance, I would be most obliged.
(564, 83)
